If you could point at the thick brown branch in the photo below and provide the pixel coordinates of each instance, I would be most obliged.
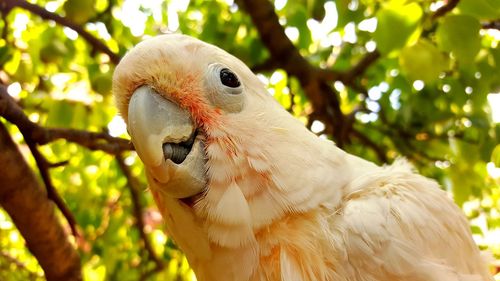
(91, 140)
(324, 100)
(274, 38)
(33, 214)
(315, 81)
(37, 10)
(443, 10)
(135, 187)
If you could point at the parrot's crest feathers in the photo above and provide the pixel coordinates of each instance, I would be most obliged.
(249, 194)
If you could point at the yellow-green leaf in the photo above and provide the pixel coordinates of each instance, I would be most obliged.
(459, 34)
(422, 61)
(396, 24)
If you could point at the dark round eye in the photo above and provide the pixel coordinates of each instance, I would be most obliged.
(228, 78)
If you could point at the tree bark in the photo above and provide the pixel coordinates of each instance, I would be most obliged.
(25, 200)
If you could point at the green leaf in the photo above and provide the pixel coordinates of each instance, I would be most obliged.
(299, 20)
(24, 72)
(423, 61)
(346, 15)
(495, 155)
(396, 24)
(451, 33)
(101, 83)
(60, 114)
(79, 11)
(476, 230)
(5, 54)
(481, 9)
(316, 9)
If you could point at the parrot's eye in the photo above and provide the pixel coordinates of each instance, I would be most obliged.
(229, 79)
(223, 88)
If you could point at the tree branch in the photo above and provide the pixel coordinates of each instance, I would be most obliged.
(8, 105)
(443, 10)
(37, 10)
(315, 81)
(357, 70)
(35, 135)
(408, 147)
(5, 29)
(91, 140)
(134, 187)
(283, 52)
(324, 100)
(33, 214)
(491, 25)
(43, 166)
(292, 97)
(268, 65)
(368, 142)
(19, 264)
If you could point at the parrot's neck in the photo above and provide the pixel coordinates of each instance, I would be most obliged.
(263, 188)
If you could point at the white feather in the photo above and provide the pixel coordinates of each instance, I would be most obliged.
(231, 208)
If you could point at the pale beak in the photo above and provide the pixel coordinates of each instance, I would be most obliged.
(165, 139)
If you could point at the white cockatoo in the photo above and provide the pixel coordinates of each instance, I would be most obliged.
(248, 193)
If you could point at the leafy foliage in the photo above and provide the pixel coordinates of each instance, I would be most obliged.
(424, 98)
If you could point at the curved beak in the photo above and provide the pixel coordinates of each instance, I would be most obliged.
(165, 139)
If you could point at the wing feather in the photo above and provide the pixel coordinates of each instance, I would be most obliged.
(401, 226)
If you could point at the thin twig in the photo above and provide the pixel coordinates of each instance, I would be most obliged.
(11, 111)
(145, 276)
(374, 146)
(408, 148)
(43, 13)
(43, 166)
(349, 77)
(491, 25)
(5, 30)
(268, 65)
(292, 97)
(20, 264)
(134, 187)
(443, 10)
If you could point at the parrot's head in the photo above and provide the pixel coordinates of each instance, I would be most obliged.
(177, 95)
(210, 134)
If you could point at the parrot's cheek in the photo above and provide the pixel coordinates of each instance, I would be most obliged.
(168, 143)
(185, 179)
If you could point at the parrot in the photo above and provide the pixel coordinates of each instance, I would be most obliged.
(248, 193)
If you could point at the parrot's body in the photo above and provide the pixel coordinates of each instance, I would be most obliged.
(248, 193)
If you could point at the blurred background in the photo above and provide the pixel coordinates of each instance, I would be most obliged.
(383, 79)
